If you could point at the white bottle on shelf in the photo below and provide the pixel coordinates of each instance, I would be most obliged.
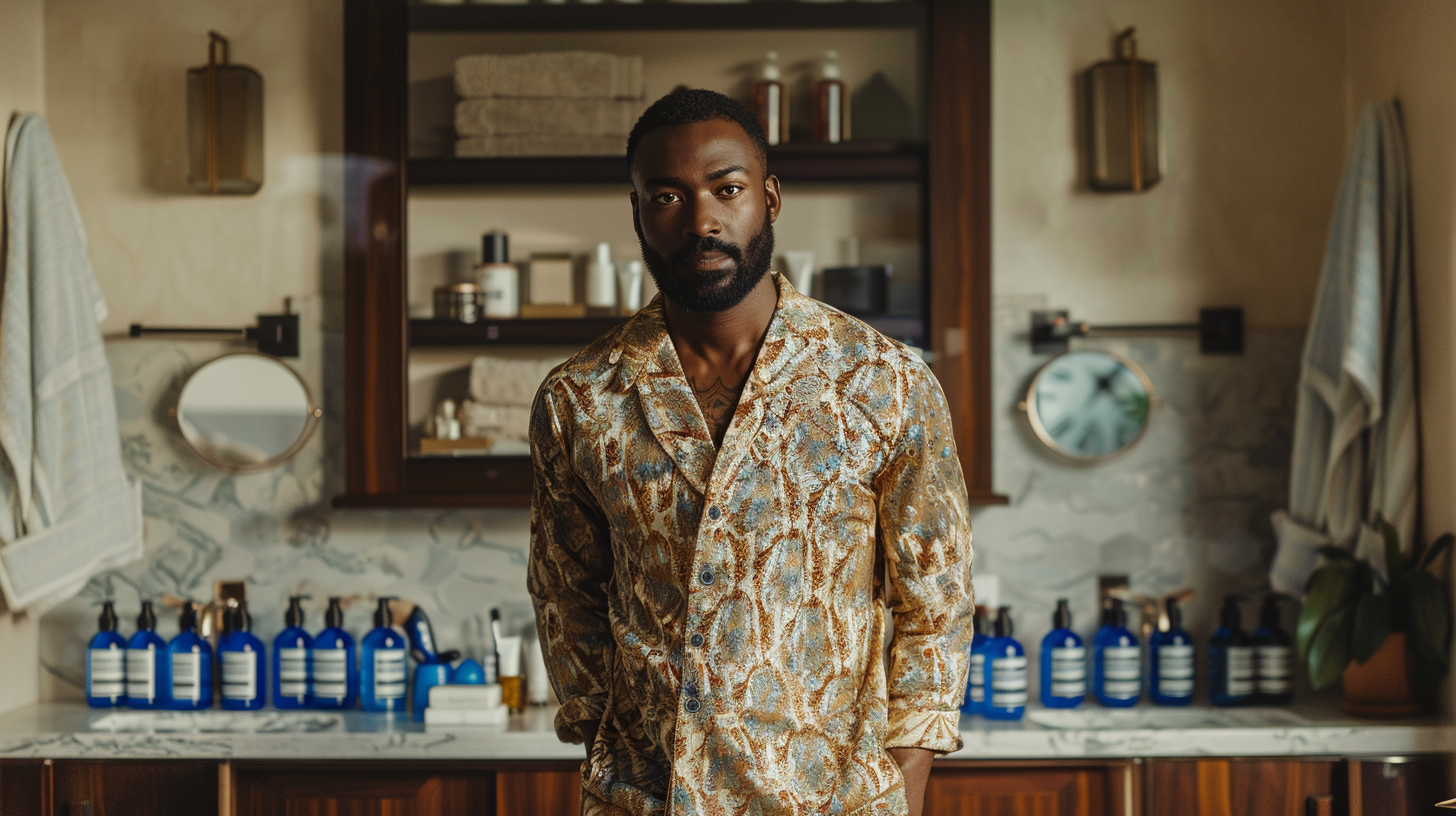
(601, 279)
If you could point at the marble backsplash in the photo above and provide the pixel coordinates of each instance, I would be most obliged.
(1188, 506)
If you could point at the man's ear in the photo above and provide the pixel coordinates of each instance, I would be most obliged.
(770, 196)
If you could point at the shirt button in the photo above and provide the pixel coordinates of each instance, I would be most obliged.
(696, 641)
(692, 705)
(714, 512)
(706, 576)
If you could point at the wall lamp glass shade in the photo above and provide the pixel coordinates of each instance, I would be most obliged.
(1124, 139)
(224, 124)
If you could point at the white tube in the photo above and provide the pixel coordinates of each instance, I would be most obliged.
(629, 285)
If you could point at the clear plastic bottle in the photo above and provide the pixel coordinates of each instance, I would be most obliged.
(291, 659)
(146, 673)
(240, 657)
(189, 663)
(335, 664)
(1273, 657)
(770, 103)
(1117, 664)
(1170, 677)
(106, 663)
(1063, 662)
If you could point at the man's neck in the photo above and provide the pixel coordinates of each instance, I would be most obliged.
(717, 350)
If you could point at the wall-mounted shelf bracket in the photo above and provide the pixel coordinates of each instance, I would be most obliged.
(1220, 330)
(275, 334)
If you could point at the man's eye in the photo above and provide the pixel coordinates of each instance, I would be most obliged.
(732, 189)
(665, 198)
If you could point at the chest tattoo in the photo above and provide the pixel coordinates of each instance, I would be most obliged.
(718, 401)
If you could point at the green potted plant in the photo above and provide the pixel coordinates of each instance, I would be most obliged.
(1387, 636)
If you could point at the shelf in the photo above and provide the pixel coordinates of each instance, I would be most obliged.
(847, 162)
(576, 331)
(665, 17)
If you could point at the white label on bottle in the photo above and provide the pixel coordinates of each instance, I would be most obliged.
(1008, 681)
(388, 673)
(1175, 670)
(1272, 668)
(293, 672)
(141, 674)
(1122, 672)
(186, 676)
(108, 672)
(331, 673)
(771, 101)
(1069, 671)
(834, 106)
(1240, 672)
(978, 678)
(239, 675)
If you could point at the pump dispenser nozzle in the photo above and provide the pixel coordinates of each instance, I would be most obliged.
(147, 620)
(1269, 613)
(1175, 614)
(232, 620)
(334, 617)
(1229, 616)
(1062, 619)
(1003, 622)
(294, 615)
(107, 621)
(382, 615)
(189, 617)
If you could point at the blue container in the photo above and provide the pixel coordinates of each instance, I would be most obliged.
(1117, 663)
(335, 663)
(468, 673)
(382, 670)
(428, 675)
(291, 660)
(240, 657)
(1230, 659)
(189, 667)
(1063, 663)
(146, 674)
(1170, 677)
(975, 699)
(1273, 658)
(106, 663)
(1005, 680)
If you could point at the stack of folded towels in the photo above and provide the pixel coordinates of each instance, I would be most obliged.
(567, 103)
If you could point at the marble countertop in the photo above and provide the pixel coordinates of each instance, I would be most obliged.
(70, 730)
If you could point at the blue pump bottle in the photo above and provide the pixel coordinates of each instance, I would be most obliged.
(1171, 673)
(240, 656)
(1063, 662)
(146, 674)
(1005, 672)
(975, 699)
(290, 659)
(1230, 659)
(189, 660)
(382, 664)
(1117, 670)
(106, 663)
(335, 670)
(1273, 658)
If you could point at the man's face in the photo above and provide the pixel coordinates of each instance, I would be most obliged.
(704, 211)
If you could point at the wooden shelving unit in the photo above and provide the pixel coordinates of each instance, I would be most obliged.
(665, 17)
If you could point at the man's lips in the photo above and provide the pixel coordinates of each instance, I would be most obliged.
(711, 261)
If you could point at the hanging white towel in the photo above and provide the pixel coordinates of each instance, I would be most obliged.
(67, 509)
(1356, 432)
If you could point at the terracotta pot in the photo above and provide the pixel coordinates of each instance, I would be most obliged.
(1380, 687)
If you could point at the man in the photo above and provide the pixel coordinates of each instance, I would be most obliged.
(722, 486)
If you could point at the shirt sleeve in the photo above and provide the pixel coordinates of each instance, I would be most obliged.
(570, 565)
(926, 531)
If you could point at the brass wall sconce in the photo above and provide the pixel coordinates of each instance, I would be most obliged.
(1124, 140)
(224, 124)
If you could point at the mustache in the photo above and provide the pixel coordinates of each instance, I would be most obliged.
(703, 244)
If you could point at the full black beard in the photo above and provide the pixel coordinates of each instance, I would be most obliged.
(682, 283)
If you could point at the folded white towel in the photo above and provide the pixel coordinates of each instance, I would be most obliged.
(480, 421)
(552, 74)
(540, 144)
(558, 117)
(507, 381)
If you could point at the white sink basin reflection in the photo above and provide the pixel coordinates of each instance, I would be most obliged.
(232, 722)
(1099, 719)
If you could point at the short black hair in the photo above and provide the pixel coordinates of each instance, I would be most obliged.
(688, 106)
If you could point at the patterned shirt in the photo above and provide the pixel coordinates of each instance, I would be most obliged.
(720, 613)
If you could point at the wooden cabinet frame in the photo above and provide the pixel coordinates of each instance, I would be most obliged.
(955, 182)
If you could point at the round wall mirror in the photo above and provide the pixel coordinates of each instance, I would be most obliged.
(1089, 405)
(246, 412)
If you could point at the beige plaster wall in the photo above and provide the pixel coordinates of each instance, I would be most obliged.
(1403, 49)
(22, 89)
(115, 94)
(1253, 116)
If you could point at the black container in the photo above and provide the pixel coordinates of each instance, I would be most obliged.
(862, 291)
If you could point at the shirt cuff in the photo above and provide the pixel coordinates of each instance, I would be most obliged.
(938, 731)
(577, 711)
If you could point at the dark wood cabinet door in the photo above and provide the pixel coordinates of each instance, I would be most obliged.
(1235, 787)
(546, 791)
(355, 791)
(976, 789)
(133, 788)
(21, 784)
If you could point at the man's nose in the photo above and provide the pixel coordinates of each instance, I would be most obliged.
(704, 221)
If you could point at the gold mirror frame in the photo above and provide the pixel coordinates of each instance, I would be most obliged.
(311, 421)
(1028, 407)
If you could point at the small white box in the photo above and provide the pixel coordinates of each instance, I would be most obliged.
(465, 697)
(551, 279)
(452, 717)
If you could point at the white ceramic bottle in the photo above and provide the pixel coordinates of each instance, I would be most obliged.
(601, 279)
